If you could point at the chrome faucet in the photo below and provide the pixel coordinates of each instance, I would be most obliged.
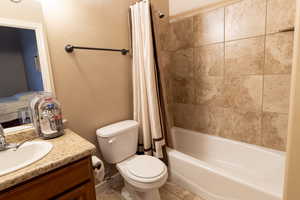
(5, 146)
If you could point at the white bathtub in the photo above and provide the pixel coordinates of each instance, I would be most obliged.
(221, 169)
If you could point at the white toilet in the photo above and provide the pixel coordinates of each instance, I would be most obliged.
(143, 174)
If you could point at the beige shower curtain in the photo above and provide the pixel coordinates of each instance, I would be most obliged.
(147, 104)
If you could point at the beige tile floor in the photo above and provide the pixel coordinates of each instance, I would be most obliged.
(169, 191)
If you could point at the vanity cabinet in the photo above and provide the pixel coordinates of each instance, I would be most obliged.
(72, 182)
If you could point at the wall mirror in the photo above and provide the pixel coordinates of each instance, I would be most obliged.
(24, 71)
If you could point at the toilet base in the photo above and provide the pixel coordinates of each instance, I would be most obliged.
(129, 193)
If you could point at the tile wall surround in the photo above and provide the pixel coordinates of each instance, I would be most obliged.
(227, 71)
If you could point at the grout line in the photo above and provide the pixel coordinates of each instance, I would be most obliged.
(245, 38)
(224, 48)
(226, 41)
(209, 44)
(223, 76)
(194, 101)
(215, 43)
(279, 113)
(263, 76)
(200, 11)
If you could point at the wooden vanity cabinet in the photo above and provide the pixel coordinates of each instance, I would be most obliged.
(72, 182)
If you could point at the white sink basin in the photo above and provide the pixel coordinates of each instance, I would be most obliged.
(27, 154)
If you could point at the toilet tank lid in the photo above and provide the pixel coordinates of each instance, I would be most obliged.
(116, 128)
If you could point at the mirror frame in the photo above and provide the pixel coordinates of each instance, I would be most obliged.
(44, 58)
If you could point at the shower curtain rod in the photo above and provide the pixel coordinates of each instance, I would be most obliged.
(70, 48)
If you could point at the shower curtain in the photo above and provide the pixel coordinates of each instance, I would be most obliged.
(147, 98)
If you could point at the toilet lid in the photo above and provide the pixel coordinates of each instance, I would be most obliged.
(146, 167)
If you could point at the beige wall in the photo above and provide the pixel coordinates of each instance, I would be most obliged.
(227, 77)
(94, 87)
(29, 10)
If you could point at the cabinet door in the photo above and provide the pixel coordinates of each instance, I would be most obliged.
(84, 192)
(52, 184)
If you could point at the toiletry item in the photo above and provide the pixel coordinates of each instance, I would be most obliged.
(47, 116)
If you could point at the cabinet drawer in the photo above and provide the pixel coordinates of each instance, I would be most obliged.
(83, 192)
(53, 183)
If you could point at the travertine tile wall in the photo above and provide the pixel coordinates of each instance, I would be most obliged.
(228, 71)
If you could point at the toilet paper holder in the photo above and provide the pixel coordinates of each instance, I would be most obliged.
(96, 162)
(98, 167)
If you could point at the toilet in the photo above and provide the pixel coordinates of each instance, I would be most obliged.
(143, 175)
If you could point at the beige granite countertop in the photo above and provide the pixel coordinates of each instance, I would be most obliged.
(66, 149)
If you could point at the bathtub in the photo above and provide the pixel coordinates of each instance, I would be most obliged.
(220, 169)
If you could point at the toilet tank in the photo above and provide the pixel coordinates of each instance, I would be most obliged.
(118, 141)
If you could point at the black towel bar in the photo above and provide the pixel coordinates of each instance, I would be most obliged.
(70, 48)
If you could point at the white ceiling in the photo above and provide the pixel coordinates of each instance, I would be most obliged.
(181, 6)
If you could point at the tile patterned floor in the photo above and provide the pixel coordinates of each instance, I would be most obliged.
(169, 191)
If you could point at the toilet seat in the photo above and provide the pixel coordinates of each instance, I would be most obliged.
(143, 169)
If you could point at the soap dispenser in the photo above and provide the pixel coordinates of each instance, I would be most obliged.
(47, 116)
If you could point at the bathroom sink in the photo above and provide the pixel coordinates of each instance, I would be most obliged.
(12, 160)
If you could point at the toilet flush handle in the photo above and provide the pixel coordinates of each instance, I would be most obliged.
(112, 140)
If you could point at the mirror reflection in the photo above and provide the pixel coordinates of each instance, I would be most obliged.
(20, 75)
